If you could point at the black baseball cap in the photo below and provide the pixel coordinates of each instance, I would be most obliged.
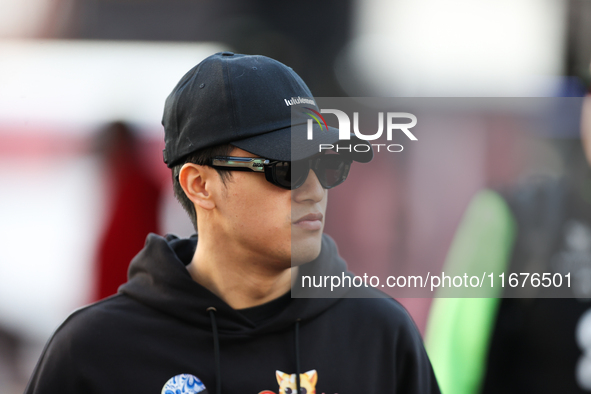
(245, 101)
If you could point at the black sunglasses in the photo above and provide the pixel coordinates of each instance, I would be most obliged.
(331, 170)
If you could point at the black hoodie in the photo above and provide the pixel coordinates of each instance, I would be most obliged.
(165, 333)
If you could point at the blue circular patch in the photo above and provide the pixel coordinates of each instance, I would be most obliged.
(184, 384)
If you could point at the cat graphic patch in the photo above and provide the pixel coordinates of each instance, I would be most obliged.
(288, 385)
(184, 384)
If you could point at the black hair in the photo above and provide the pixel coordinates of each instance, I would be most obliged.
(201, 157)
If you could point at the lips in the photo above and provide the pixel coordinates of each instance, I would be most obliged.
(310, 218)
(310, 222)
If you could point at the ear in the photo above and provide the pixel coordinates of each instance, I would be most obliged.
(280, 376)
(197, 182)
(312, 377)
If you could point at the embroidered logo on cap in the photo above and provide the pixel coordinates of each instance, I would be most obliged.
(184, 384)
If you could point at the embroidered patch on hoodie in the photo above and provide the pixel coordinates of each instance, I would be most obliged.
(184, 384)
(287, 383)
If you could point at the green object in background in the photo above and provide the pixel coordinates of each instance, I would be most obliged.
(459, 329)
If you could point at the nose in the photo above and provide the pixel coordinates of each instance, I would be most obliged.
(310, 190)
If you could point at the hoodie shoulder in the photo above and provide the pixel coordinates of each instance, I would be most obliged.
(84, 341)
(383, 326)
(86, 326)
(381, 313)
(103, 322)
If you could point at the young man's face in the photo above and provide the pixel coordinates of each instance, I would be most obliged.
(283, 226)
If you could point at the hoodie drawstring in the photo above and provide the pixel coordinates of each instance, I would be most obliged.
(216, 351)
(297, 353)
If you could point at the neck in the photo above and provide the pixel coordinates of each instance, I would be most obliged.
(241, 279)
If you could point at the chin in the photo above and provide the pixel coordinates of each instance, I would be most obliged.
(304, 252)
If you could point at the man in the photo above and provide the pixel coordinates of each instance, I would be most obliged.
(216, 315)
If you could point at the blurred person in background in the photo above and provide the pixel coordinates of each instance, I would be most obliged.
(134, 198)
(11, 374)
(517, 345)
(216, 310)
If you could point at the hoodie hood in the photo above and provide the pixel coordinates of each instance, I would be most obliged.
(159, 279)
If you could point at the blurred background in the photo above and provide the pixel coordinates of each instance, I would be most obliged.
(82, 88)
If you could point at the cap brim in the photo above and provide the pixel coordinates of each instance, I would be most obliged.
(292, 144)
